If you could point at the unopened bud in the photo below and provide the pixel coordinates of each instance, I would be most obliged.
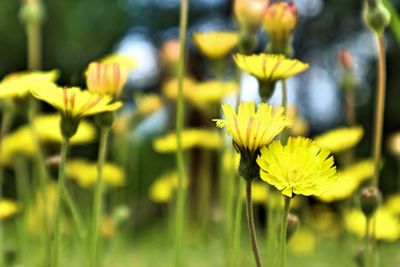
(293, 224)
(370, 200)
(32, 11)
(249, 13)
(248, 167)
(345, 59)
(376, 15)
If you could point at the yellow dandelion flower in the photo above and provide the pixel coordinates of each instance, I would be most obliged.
(348, 181)
(208, 139)
(19, 84)
(148, 104)
(19, 142)
(106, 78)
(340, 139)
(269, 67)
(162, 190)
(8, 208)
(125, 61)
(85, 173)
(387, 225)
(73, 103)
(251, 129)
(216, 45)
(300, 167)
(392, 204)
(303, 242)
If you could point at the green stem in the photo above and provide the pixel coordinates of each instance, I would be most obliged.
(367, 249)
(271, 229)
(282, 244)
(98, 200)
(250, 223)
(77, 218)
(58, 211)
(237, 227)
(379, 107)
(180, 113)
(285, 132)
(34, 45)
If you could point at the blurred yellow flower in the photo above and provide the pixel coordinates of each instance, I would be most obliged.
(74, 103)
(19, 142)
(108, 228)
(20, 84)
(170, 88)
(259, 193)
(208, 139)
(215, 45)
(340, 139)
(300, 167)
(251, 129)
(325, 221)
(106, 78)
(392, 204)
(348, 181)
(125, 61)
(303, 242)
(162, 190)
(8, 208)
(394, 144)
(387, 225)
(148, 103)
(269, 67)
(249, 13)
(85, 173)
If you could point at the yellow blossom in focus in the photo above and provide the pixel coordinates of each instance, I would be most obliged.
(392, 204)
(251, 129)
(208, 139)
(249, 13)
(162, 189)
(216, 45)
(394, 144)
(303, 242)
(20, 84)
(387, 225)
(8, 208)
(148, 104)
(106, 79)
(341, 139)
(300, 167)
(74, 103)
(125, 61)
(85, 173)
(269, 67)
(348, 181)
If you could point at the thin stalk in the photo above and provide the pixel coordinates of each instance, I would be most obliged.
(250, 224)
(271, 230)
(204, 190)
(76, 217)
(58, 211)
(180, 113)
(285, 132)
(367, 239)
(351, 107)
(33, 33)
(237, 226)
(282, 244)
(379, 107)
(98, 200)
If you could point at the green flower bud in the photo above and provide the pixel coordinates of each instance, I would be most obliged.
(248, 167)
(267, 89)
(376, 16)
(105, 119)
(32, 12)
(370, 200)
(68, 126)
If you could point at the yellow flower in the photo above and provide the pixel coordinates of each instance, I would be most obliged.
(392, 204)
(259, 192)
(125, 61)
(300, 126)
(300, 167)
(348, 181)
(280, 20)
(387, 225)
(340, 139)
(249, 13)
(170, 88)
(8, 208)
(325, 221)
(148, 104)
(215, 45)
(303, 242)
(269, 67)
(85, 173)
(252, 130)
(74, 103)
(19, 84)
(162, 189)
(394, 144)
(19, 142)
(106, 78)
(191, 138)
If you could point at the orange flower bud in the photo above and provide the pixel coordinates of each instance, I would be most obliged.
(249, 13)
(346, 59)
(279, 20)
(170, 52)
(106, 79)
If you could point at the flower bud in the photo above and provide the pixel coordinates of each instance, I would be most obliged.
(32, 11)
(249, 13)
(279, 21)
(346, 60)
(106, 79)
(376, 15)
(292, 225)
(370, 200)
(248, 167)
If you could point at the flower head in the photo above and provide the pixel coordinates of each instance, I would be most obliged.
(8, 208)
(148, 104)
(19, 84)
(106, 78)
(340, 139)
(215, 45)
(251, 129)
(280, 20)
(300, 167)
(123, 60)
(249, 13)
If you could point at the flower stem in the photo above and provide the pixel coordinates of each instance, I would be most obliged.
(367, 251)
(282, 244)
(34, 45)
(58, 211)
(379, 107)
(180, 113)
(250, 223)
(98, 199)
(285, 132)
(237, 225)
